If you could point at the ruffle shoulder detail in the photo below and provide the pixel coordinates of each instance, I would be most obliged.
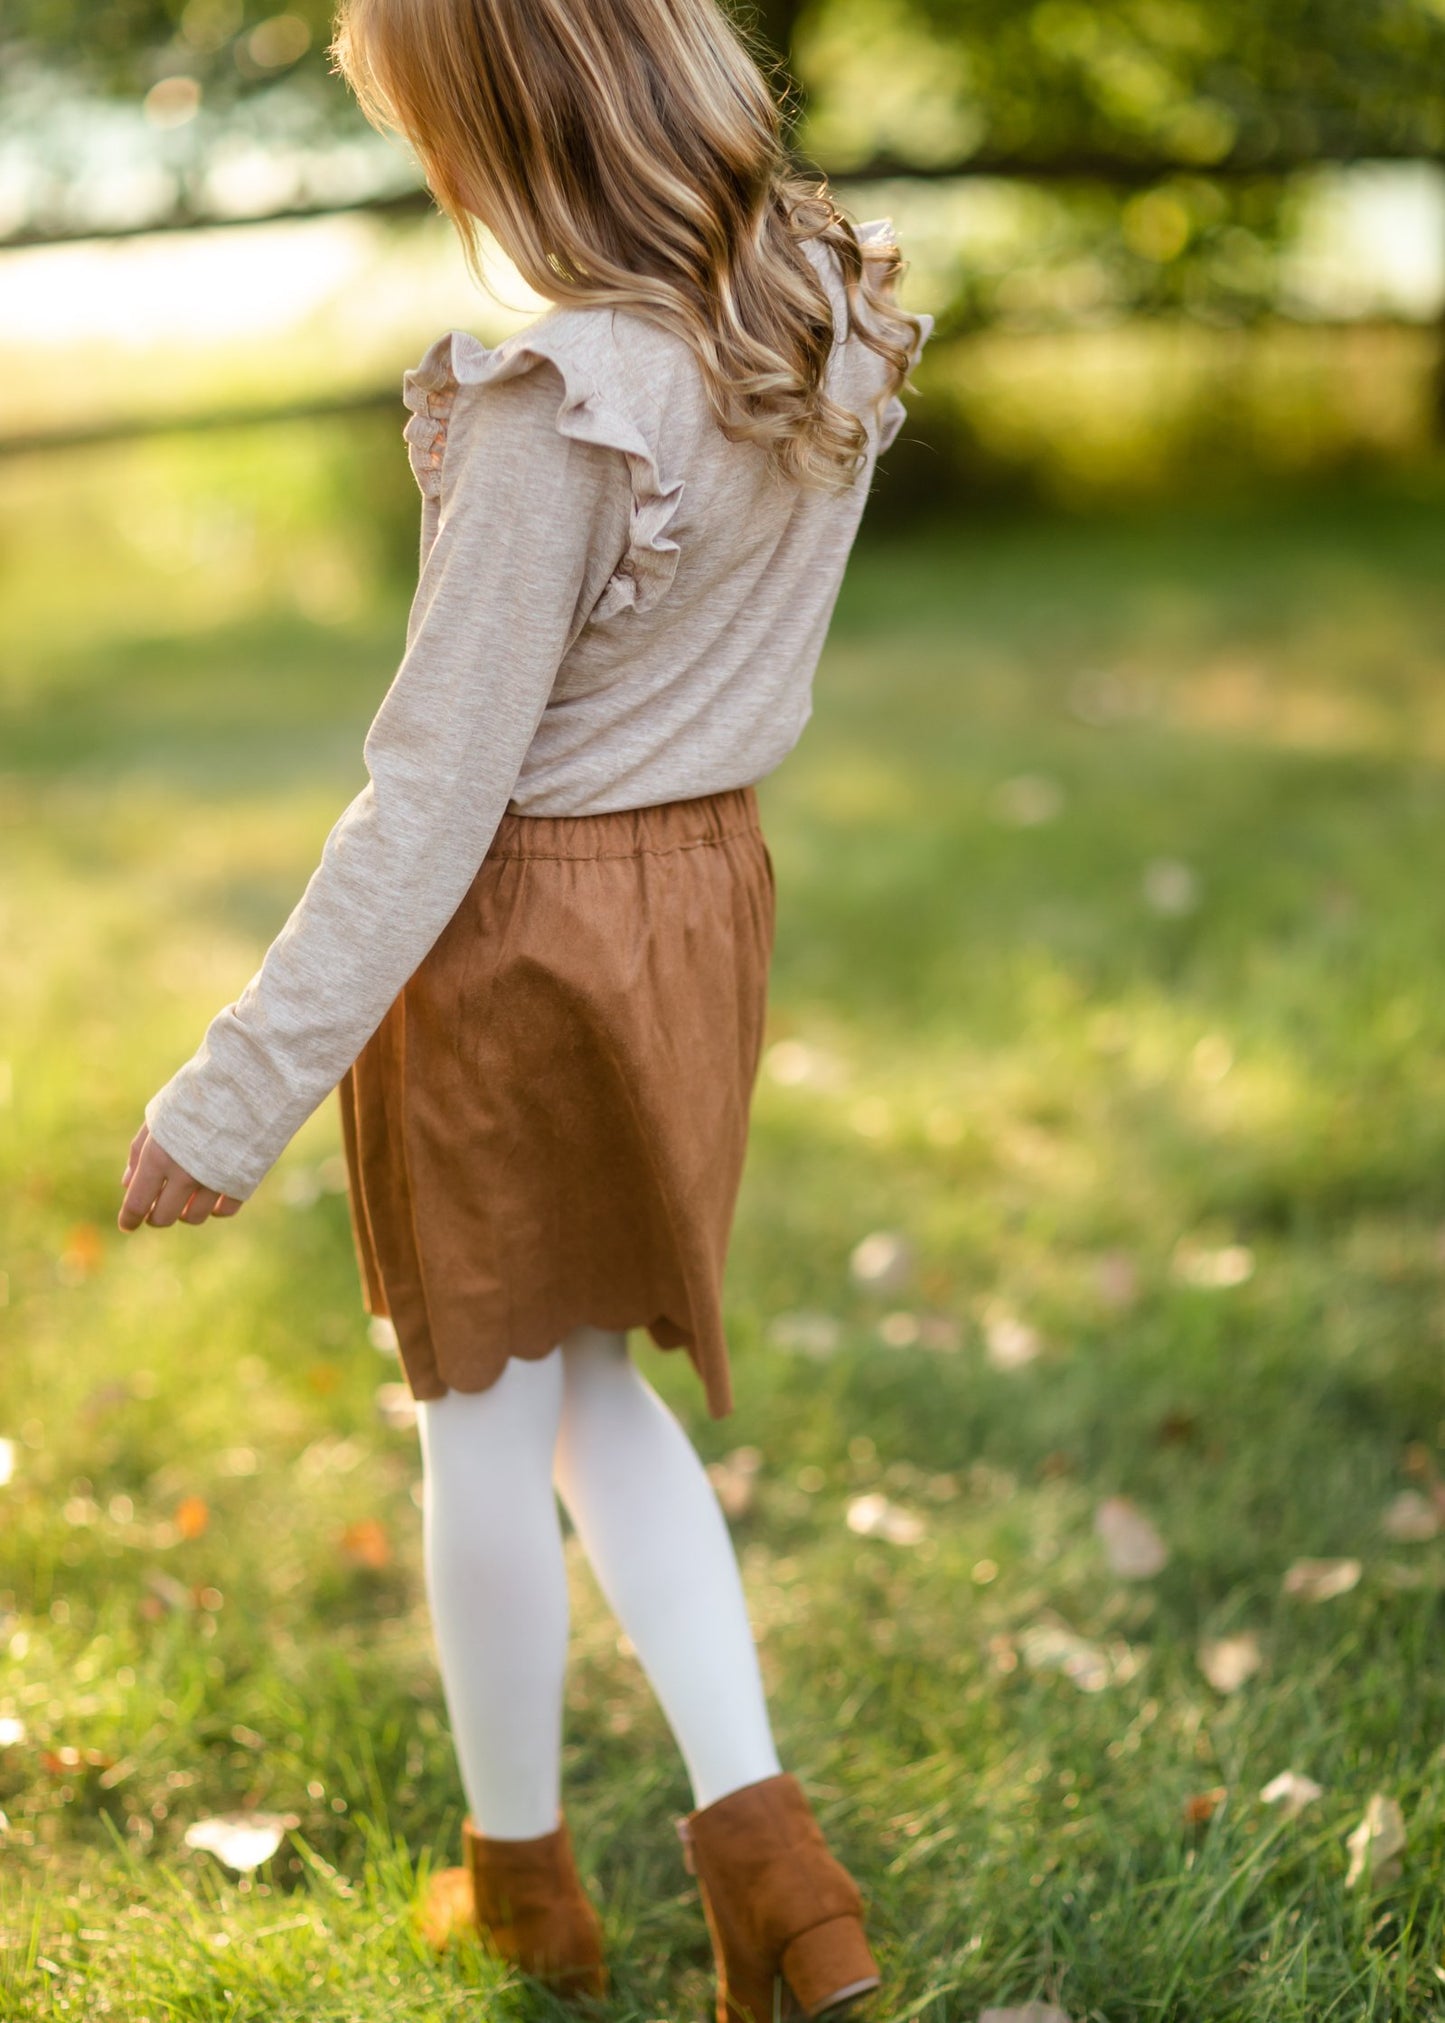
(880, 231)
(597, 406)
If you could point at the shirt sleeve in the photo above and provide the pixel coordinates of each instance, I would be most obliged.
(526, 528)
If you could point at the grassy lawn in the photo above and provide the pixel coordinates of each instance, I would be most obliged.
(1112, 874)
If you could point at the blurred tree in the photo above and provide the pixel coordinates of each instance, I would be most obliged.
(1114, 87)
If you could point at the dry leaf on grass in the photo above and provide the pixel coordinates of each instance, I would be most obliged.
(242, 1840)
(1049, 1645)
(1171, 887)
(1212, 1270)
(1411, 1519)
(1010, 1343)
(735, 1479)
(67, 1761)
(1229, 1662)
(1031, 2012)
(1027, 801)
(365, 1543)
(1116, 1277)
(1377, 1843)
(882, 1262)
(1132, 1545)
(805, 1334)
(1320, 1580)
(396, 1407)
(1291, 1792)
(447, 1909)
(876, 1516)
(1201, 1806)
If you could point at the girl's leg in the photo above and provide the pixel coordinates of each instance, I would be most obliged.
(651, 1525)
(497, 1583)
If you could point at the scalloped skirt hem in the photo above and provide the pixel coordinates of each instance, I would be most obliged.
(550, 1124)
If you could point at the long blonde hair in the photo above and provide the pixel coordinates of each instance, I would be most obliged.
(630, 153)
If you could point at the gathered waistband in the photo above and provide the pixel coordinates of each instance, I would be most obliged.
(629, 832)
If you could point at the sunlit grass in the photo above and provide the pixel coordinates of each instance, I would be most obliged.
(1001, 1031)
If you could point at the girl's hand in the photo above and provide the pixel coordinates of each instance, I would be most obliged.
(160, 1192)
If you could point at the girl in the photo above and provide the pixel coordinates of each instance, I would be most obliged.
(535, 952)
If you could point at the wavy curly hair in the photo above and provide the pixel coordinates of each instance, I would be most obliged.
(631, 153)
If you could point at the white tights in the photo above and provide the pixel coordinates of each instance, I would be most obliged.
(648, 1519)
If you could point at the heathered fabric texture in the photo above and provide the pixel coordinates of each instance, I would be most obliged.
(617, 607)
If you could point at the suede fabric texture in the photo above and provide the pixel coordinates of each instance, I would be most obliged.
(532, 1911)
(778, 1904)
(549, 1126)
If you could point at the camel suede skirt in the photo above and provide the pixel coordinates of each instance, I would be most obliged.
(548, 1128)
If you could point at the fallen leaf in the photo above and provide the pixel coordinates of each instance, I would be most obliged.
(882, 1262)
(735, 1479)
(396, 1407)
(1028, 801)
(1419, 1461)
(167, 1592)
(365, 1543)
(1009, 1342)
(1320, 1580)
(1212, 1270)
(1132, 1545)
(1171, 887)
(1049, 1645)
(82, 1254)
(1117, 1277)
(65, 1761)
(447, 1909)
(1411, 1518)
(1229, 1662)
(1291, 1792)
(875, 1516)
(1202, 1806)
(191, 1516)
(1377, 1843)
(106, 1397)
(805, 1334)
(1031, 2012)
(242, 1840)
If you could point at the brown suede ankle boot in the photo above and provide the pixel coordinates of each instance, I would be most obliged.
(778, 1905)
(526, 1900)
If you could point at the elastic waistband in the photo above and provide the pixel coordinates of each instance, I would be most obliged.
(627, 832)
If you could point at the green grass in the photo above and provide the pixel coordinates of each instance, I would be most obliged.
(994, 1045)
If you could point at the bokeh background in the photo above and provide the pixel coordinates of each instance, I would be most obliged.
(1088, 1291)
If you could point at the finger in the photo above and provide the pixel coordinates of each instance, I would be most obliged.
(140, 1196)
(198, 1208)
(174, 1194)
(137, 1146)
(226, 1204)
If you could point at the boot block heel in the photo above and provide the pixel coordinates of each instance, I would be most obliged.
(829, 1965)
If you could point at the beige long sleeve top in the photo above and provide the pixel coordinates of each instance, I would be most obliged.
(617, 606)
